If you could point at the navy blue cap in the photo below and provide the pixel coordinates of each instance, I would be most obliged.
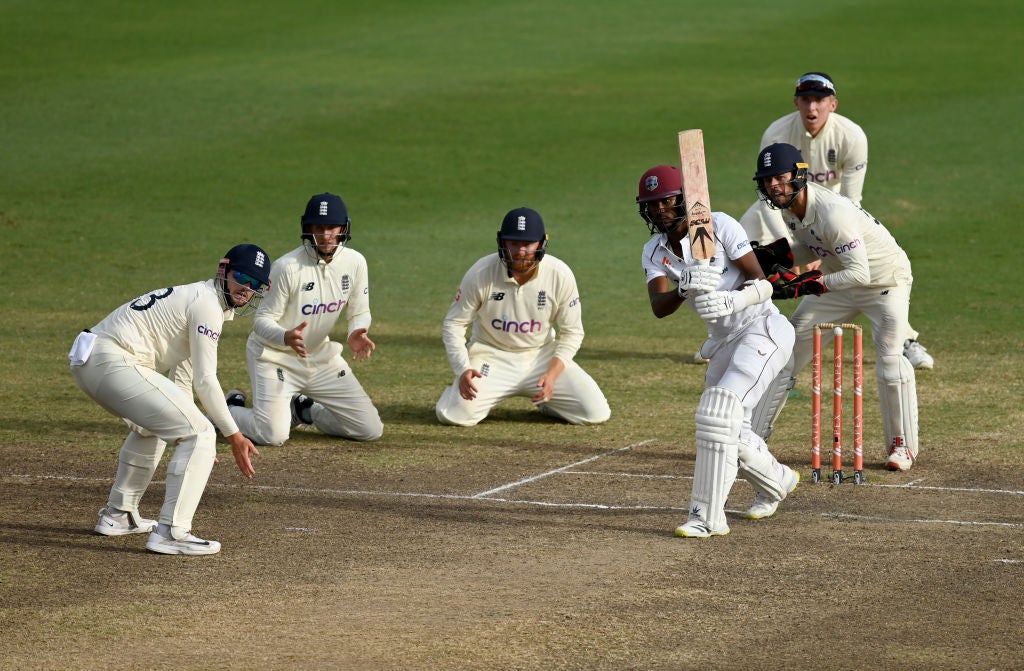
(777, 159)
(522, 224)
(327, 209)
(251, 260)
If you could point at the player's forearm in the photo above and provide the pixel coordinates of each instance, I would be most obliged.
(569, 339)
(664, 304)
(269, 330)
(453, 334)
(211, 395)
(359, 321)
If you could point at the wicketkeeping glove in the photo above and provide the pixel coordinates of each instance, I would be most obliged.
(786, 284)
(774, 253)
(699, 277)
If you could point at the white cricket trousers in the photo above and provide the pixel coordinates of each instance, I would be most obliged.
(342, 407)
(576, 398)
(887, 309)
(159, 413)
(748, 363)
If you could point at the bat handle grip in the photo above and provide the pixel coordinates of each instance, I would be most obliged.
(707, 262)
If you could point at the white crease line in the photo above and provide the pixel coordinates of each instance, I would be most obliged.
(563, 468)
(544, 504)
(909, 485)
(873, 518)
(645, 476)
(1009, 561)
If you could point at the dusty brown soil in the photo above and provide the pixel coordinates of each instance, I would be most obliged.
(334, 560)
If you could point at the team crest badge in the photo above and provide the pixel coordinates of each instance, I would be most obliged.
(651, 183)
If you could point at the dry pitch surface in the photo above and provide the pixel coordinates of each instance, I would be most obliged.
(534, 556)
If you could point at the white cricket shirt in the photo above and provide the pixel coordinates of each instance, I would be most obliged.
(177, 327)
(513, 317)
(730, 243)
(311, 291)
(855, 249)
(837, 156)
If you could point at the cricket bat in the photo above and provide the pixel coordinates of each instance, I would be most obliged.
(695, 196)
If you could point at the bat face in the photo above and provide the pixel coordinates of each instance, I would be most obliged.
(695, 194)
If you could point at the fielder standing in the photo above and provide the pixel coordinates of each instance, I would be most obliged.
(121, 364)
(836, 152)
(863, 271)
(527, 323)
(749, 342)
(298, 374)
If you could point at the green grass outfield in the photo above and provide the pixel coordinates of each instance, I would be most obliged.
(138, 141)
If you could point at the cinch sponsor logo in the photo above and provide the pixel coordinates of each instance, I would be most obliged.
(574, 302)
(321, 308)
(822, 177)
(507, 326)
(208, 332)
(842, 249)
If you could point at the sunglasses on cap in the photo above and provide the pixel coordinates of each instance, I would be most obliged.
(814, 83)
(246, 280)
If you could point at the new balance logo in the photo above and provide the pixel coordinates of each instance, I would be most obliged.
(308, 286)
(498, 296)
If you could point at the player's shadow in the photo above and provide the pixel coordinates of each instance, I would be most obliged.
(43, 535)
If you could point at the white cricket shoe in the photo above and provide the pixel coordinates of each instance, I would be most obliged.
(113, 523)
(917, 355)
(186, 545)
(765, 507)
(900, 458)
(697, 358)
(696, 527)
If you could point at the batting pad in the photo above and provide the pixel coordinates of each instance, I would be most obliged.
(773, 400)
(897, 391)
(719, 422)
(761, 469)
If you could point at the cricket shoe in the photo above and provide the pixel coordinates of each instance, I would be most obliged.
(764, 506)
(236, 397)
(186, 545)
(900, 457)
(116, 523)
(696, 527)
(302, 406)
(697, 358)
(917, 355)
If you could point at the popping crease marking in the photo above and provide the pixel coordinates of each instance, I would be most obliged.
(563, 468)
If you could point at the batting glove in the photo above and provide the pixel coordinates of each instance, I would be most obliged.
(699, 277)
(714, 304)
